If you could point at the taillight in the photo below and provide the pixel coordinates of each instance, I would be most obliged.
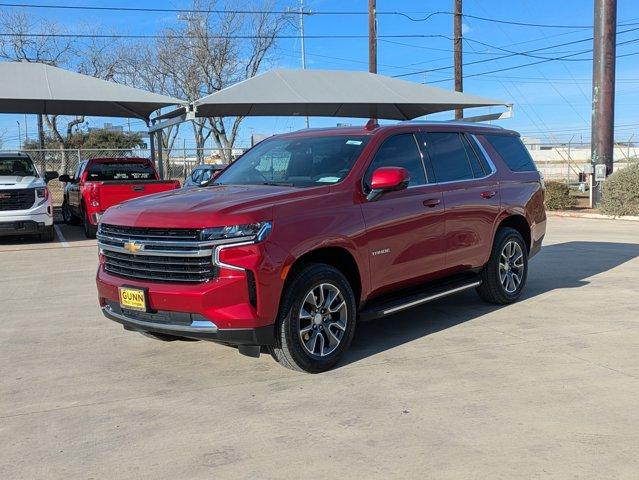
(93, 196)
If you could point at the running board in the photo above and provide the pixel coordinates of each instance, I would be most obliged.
(381, 309)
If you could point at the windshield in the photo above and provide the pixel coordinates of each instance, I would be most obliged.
(18, 167)
(104, 172)
(296, 162)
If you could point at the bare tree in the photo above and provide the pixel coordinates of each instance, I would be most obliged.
(203, 54)
(99, 59)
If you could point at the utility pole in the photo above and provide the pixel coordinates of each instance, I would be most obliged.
(457, 45)
(372, 47)
(303, 51)
(19, 135)
(603, 87)
(372, 37)
(40, 132)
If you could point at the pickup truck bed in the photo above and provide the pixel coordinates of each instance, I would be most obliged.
(100, 183)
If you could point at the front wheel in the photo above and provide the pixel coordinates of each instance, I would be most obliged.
(504, 276)
(317, 318)
(68, 216)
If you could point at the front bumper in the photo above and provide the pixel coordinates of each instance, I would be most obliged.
(188, 325)
(26, 222)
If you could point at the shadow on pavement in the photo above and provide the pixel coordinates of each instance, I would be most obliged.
(562, 265)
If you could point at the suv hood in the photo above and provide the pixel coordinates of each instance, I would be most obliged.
(14, 182)
(206, 207)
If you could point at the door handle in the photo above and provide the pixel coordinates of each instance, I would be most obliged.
(138, 188)
(432, 202)
(488, 194)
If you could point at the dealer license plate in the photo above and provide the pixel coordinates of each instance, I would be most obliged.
(133, 298)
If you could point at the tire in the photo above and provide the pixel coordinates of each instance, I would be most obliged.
(336, 325)
(496, 287)
(68, 216)
(47, 235)
(90, 230)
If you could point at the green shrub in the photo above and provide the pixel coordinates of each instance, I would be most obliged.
(558, 196)
(620, 192)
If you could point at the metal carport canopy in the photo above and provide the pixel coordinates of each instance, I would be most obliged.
(334, 93)
(29, 87)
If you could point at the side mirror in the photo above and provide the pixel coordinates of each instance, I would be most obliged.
(51, 175)
(387, 179)
(66, 178)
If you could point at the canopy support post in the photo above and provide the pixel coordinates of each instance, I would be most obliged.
(160, 162)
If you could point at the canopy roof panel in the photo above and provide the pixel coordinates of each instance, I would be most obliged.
(28, 87)
(333, 93)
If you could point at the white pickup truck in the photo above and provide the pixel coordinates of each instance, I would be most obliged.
(25, 201)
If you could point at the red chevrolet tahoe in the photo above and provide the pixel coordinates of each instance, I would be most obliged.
(99, 183)
(310, 232)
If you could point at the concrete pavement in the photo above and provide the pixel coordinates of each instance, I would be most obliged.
(545, 388)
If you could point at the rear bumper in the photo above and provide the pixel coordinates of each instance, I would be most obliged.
(188, 325)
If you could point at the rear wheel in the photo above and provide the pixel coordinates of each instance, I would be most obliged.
(68, 216)
(504, 276)
(316, 320)
(90, 230)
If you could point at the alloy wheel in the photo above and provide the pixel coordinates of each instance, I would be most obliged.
(511, 266)
(322, 320)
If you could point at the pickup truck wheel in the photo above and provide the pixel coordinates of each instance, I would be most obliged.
(90, 230)
(68, 216)
(316, 320)
(504, 276)
(47, 234)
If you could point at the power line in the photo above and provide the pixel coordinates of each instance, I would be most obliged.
(186, 37)
(407, 15)
(526, 53)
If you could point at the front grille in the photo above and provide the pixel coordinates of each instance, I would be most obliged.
(17, 199)
(165, 255)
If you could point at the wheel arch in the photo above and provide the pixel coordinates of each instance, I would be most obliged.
(518, 222)
(336, 256)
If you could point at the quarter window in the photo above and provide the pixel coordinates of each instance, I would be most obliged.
(399, 151)
(512, 152)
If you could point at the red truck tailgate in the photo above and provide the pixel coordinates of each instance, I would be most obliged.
(112, 193)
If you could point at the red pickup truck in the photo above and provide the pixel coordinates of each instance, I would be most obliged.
(100, 183)
(310, 233)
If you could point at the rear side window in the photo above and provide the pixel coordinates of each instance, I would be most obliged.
(513, 152)
(448, 156)
(399, 151)
(104, 172)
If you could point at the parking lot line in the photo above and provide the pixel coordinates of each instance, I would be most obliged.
(61, 238)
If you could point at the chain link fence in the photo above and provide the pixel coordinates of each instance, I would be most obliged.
(556, 161)
(563, 162)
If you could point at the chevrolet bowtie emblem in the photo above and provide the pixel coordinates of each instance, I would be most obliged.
(133, 247)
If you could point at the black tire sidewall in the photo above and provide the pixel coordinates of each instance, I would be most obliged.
(307, 278)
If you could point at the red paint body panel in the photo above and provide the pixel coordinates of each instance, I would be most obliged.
(96, 197)
(404, 238)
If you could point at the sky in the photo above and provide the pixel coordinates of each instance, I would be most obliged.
(552, 99)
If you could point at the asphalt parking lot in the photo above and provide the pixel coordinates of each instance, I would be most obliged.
(545, 388)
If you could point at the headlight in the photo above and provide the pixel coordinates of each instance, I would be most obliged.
(42, 192)
(238, 233)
